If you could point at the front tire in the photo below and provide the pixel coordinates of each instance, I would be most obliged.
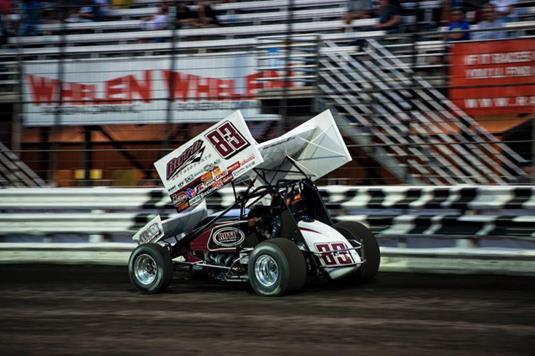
(276, 267)
(150, 268)
(369, 252)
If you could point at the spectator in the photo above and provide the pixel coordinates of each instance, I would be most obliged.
(30, 17)
(458, 28)
(103, 8)
(87, 12)
(158, 21)
(447, 8)
(121, 3)
(357, 9)
(185, 18)
(505, 9)
(493, 27)
(206, 16)
(4, 19)
(389, 14)
(49, 11)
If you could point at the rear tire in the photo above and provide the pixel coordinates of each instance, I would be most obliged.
(276, 267)
(150, 268)
(369, 252)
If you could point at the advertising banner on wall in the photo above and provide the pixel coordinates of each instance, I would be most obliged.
(493, 77)
(138, 91)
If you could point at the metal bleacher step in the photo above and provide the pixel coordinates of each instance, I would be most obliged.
(419, 128)
(14, 172)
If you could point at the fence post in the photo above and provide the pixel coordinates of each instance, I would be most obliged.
(285, 125)
(169, 118)
(56, 126)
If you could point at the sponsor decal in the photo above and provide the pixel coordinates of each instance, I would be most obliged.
(182, 206)
(151, 232)
(233, 167)
(227, 140)
(228, 178)
(191, 193)
(191, 155)
(179, 198)
(228, 236)
(216, 171)
(196, 199)
(215, 184)
(206, 177)
(247, 159)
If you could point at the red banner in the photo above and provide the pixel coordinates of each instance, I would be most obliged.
(493, 77)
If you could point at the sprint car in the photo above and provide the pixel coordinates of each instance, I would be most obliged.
(276, 234)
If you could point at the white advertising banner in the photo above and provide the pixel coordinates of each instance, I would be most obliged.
(217, 156)
(137, 91)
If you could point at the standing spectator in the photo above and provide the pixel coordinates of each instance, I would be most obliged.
(30, 17)
(389, 13)
(492, 25)
(505, 9)
(458, 28)
(185, 18)
(206, 15)
(158, 21)
(357, 9)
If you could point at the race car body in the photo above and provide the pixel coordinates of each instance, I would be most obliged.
(276, 235)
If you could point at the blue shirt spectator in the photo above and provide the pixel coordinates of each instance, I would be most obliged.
(389, 14)
(458, 28)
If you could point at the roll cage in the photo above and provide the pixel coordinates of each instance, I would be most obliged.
(284, 191)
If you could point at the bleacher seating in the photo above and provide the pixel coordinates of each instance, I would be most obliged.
(243, 24)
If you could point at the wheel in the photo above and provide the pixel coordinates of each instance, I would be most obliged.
(276, 267)
(369, 252)
(150, 268)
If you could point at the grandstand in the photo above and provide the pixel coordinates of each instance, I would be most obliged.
(114, 97)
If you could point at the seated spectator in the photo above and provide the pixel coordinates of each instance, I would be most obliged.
(103, 9)
(357, 9)
(389, 14)
(458, 28)
(4, 17)
(158, 21)
(121, 3)
(505, 9)
(87, 12)
(30, 17)
(206, 15)
(447, 8)
(185, 18)
(492, 25)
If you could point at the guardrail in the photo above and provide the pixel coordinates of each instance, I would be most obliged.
(462, 229)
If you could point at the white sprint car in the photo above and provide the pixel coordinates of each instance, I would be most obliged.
(276, 235)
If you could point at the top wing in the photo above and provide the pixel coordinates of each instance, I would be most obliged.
(316, 147)
(212, 159)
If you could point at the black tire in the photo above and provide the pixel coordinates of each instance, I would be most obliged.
(290, 265)
(353, 230)
(146, 258)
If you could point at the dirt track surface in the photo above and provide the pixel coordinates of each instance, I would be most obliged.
(60, 310)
